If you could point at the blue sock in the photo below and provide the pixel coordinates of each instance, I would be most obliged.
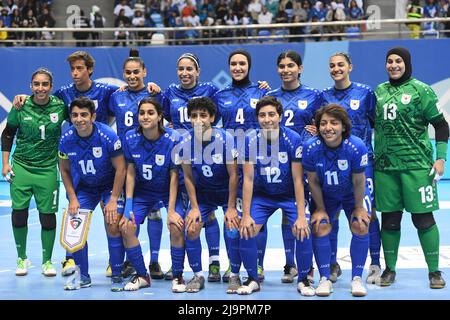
(154, 230)
(358, 253)
(226, 238)
(81, 260)
(235, 256)
(177, 255)
(334, 240)
(322, 252)
(69, 255)
(375, 241)
(212, 234)
(261, 240)
(137, 260)
(289, 244)
(194, 254)
(249, 254)
(116, 254)
(304, 255)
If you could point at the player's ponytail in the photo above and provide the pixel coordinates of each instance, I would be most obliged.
(134, 56)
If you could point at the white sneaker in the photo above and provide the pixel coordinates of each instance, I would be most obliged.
(48, 269)
(22, 266)
(137, 282)
(358, 289)
(374, 274)
(325, 287)
(305, 288)
(248, 287)
(178, 285)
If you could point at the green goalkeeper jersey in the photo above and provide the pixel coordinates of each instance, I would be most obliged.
(401, 125)
(39, 130)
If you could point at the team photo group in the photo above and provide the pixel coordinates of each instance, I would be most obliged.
(249, 149)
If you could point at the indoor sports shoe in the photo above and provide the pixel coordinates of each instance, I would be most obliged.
(85, 281)
(310, 275)
(128, 270)
(305, 288)
(358, 289)
(155, 271)
(214, 273)
(289, 273)
(234, 282)
(248, 287)
(137, 282)
(108, 271)
(387, 278)
(117, 284)
(335, 272)
(261, 276)
(226, 275)
(22, 266)
(48, 269)
(68, 267)
(168, 275)
(178, 284)
(325, 287)
(436, 280)
(196, 284)
(374, 274)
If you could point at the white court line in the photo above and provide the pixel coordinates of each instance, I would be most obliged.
(1, 271)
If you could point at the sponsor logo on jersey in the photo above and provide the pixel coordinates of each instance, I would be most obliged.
(27, 118)
(364, 160)
(406, 98)
(302, 104)
(282, 157)
(54, 117)
(175, 100)
(75, 222)
(72, 154)
(159, 159)
(121, 105)
(97, 151)
(217, 158)
(343, 164)
(228, 102)
(117, 145)
(354, 104)
(298, 152)
(253, 102)
(136, 155)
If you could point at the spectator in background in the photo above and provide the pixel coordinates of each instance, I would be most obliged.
(430, 11)
(187, 10)
(30, 5)
(11, 6)
(221, 9)
(139, 5)
(46, 16)
(359, 3)
(5, 17)
(123, 5)
(319, 11)
(194, 19)
(239, 8)
(265, 17)
(206, 5)
(29, 35)
(139, 22)
(297, 30)
(16, 22)
(121, 35)
(446, 26)
(282, 16)
(288, 8)
(315, 30)
(255, 8)
(415, 11)
(47, 35)
(336, 13)
(191, 34)
(354, 12)
(231, 19)
(81, 37)
(96, 21)
(3, 33)
(122, 18)
(272, 6)
(154, 6)
(208, 34)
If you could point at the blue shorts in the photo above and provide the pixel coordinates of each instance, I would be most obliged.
(208, 202)
(263, 206)
(182, 203)
(89, 199)
(142, 209)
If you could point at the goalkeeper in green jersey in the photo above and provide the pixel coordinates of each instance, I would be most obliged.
(33, 171)
(405, 171)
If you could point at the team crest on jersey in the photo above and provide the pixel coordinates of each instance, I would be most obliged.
(159, 159)
(298, 152)
(54, 117)
(302, 104)
(217, 158)
(97, 152)
(343, 164)
(406, 98)
(282, 157)
(253, 103)
(354, 104)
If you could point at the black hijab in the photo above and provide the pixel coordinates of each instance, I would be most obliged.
(246, 80)
(406, 56)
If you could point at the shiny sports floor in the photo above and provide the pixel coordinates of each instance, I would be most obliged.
(411, 284)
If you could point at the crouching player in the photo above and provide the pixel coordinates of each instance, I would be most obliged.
(335, 162)
(93, 171)
(273, 179)
(208, 154)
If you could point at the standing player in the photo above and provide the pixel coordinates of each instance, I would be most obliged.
(236, 107)
(299, 104)
(34, 168)
(152, 182)
(359, 101)
(335, 162)
(403, 160)
(175, 100)
(273, 179)
(208, 153)
(93, 171)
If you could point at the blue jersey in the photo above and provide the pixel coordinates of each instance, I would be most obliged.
(299, 106)
(359, 101)
(175, 100)
(272, 168)
(209, 159)
(236, 106)
(99, 93)
(334, 167)
(153, 161)
(90, 157)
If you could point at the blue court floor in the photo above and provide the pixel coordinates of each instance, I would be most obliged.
(411, 284)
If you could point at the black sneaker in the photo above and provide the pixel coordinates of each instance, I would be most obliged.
(155, 271)
(436, 280)
(289, 273)
(214, 273)
(168, 275)
(335, 272)
(387, 277)
(128, 269)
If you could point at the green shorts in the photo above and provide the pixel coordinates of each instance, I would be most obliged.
(40, 182)
(411, 190)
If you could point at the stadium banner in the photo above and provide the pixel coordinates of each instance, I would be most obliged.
(74, 229)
